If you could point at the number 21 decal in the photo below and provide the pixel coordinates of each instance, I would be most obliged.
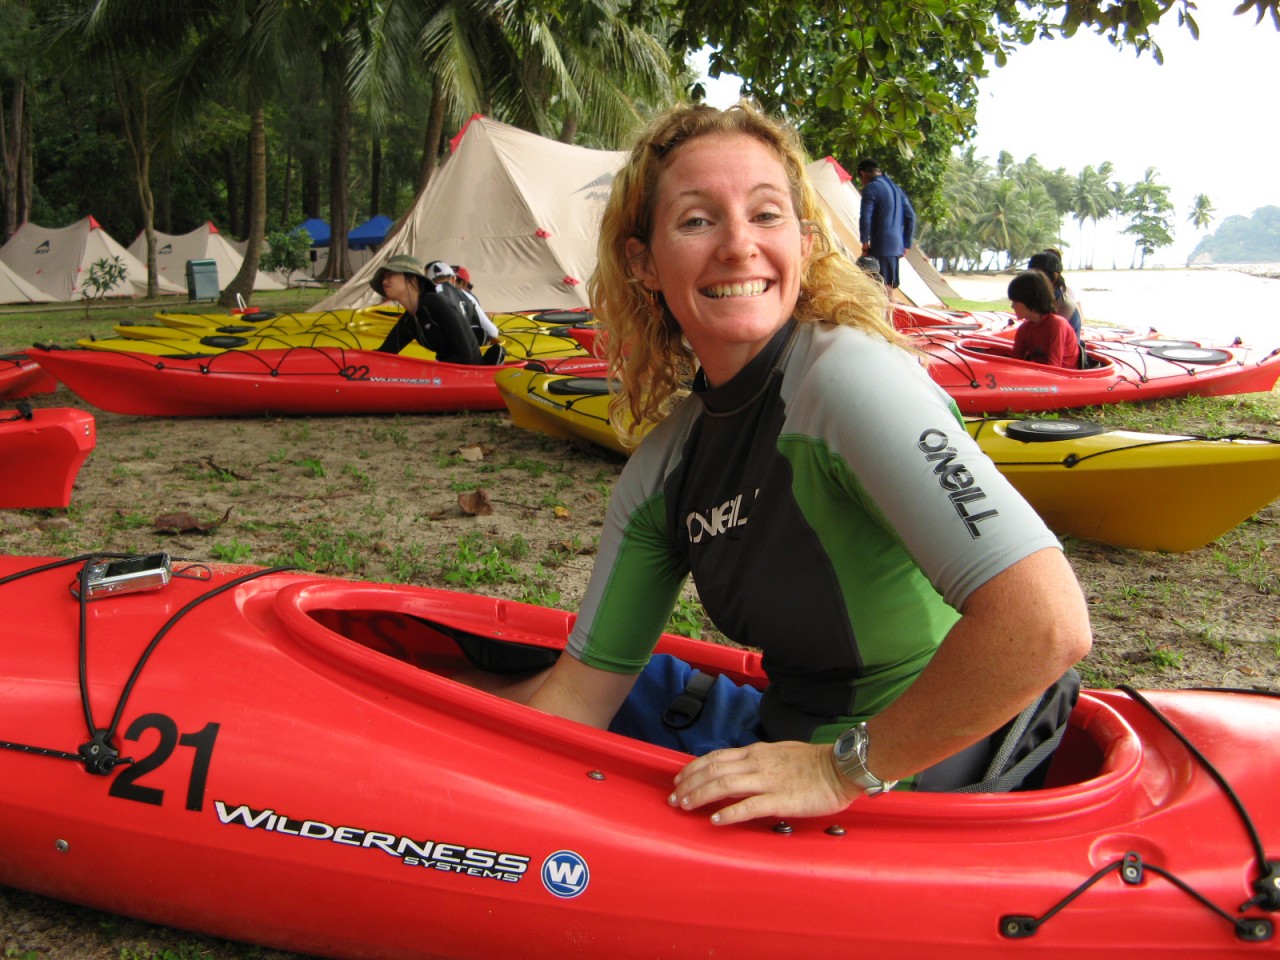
(126, 785)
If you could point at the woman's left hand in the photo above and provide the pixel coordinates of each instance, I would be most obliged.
(785, 779)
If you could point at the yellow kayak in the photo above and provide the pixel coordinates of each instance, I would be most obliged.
(204, 324)
(1143, 491)
(574, 408)
(531, 345)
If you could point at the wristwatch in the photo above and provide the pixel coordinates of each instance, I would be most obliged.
(851, 760)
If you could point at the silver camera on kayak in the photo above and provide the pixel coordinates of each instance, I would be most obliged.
(127, 575)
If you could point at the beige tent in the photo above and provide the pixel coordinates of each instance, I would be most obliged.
(522, 214)
(203, 243)
(13, 289)
(918, 281)
(56, 260)
(519, 211)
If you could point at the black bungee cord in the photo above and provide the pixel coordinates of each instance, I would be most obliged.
(98, 755)
(1132, 869)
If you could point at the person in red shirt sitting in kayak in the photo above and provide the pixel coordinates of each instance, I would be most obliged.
(1043, 337)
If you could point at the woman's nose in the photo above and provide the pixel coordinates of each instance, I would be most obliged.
(737, 241)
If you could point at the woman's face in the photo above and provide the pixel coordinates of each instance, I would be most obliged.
(396, 286)
(727, 251)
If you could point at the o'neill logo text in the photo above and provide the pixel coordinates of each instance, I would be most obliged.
(955, 479)
(565, 874)
(720, 519)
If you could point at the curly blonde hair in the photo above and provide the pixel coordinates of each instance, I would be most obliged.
(648, 357)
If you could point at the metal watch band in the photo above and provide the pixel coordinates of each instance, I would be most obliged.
(851, 760)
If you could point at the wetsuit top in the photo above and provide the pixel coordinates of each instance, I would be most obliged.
(439, 326)
(470, 308)
(833, 511)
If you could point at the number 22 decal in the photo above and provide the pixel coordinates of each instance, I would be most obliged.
(126, 786)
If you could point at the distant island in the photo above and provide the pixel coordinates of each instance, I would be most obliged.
(1254, 239)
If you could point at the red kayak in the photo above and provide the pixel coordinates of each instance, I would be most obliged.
(20, 376)
(299, 380)
(41, 452)
(907, 318)
(288, 760)
(980, 373)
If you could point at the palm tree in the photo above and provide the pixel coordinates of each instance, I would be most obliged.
(1148, 206)
(243, 49)
(952, 237)
(589, 64)
(1090, 200)
(130, 40)
(16, 57)
(1201, 211)
(1017, 220)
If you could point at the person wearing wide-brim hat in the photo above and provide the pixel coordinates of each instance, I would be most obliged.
(429, 318)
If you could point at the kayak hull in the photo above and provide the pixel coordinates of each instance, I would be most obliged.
(163, 341)
(981, 375)
(1142, 491)
(307, 775)
(41, 455)
(271, 382)
(20, 377)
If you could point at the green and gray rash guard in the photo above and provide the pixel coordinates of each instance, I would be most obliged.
(833, 511)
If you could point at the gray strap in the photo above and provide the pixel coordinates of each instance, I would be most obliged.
(1000, 780)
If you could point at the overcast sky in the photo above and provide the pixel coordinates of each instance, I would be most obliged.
(1206, 118)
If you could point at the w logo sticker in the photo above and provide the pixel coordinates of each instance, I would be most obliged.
(565, 874)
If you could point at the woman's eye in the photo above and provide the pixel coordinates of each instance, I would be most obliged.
(694, 222)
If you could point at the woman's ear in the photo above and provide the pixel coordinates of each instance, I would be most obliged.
(639, 264)
(807, 233)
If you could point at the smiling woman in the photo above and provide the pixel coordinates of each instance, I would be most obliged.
(726, 250)
(884, 577)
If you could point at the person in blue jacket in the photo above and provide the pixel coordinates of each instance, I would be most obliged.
(886, 221)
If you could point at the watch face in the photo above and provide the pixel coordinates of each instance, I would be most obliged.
(844, 745)
(849, 743)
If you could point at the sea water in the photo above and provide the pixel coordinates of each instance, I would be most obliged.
(1210, 305)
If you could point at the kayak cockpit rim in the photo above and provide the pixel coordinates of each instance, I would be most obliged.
(400, 639)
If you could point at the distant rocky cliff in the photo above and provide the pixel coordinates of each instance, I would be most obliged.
(1254, 239)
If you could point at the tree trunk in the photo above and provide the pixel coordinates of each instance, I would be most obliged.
(288, 188)
(27, 171)
(569, 129)
(339, 265)
(310, 187)
(431, 144)
(243, 282)
(134, 108)
(375, 178)
(12, 124)
(247, 218)
(232, 177)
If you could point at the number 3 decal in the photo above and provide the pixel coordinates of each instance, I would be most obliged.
(126, 786)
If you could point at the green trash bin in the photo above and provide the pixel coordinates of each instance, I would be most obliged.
(202, 280)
